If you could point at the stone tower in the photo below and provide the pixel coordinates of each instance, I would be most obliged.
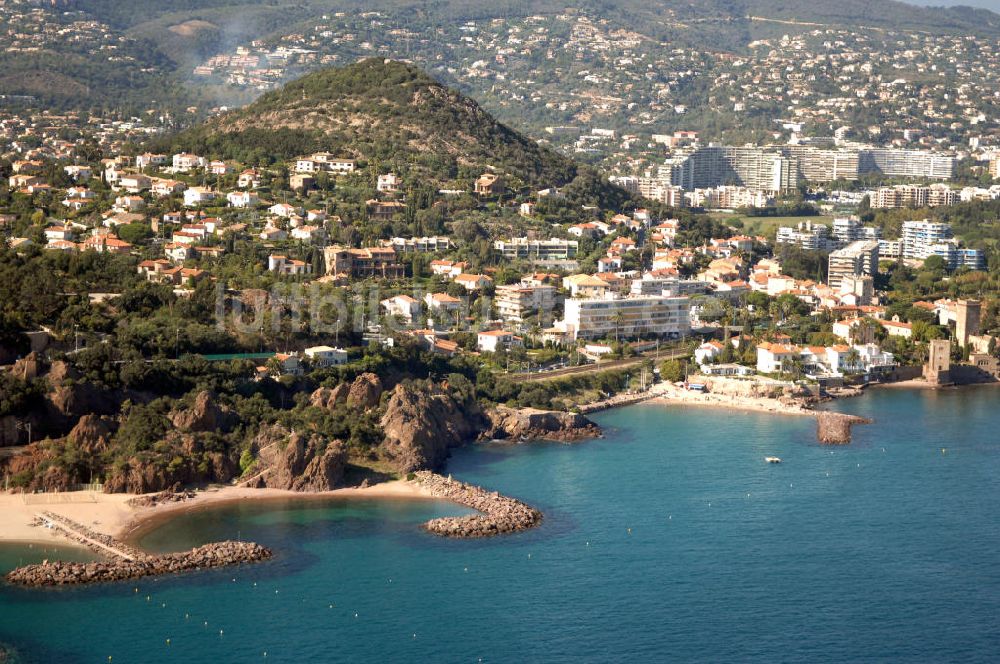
(967, 316)
(938, 367)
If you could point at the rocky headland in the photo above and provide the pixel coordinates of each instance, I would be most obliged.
(500, 514)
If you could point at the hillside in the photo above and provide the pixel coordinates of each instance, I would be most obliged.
(378, 110)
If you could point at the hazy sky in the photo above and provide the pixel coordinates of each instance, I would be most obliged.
(988, 4)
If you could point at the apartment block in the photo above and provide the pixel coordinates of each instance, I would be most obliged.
(629, 317)
(855, 260)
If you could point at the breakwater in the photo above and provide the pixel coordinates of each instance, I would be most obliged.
(217, 554)
(122, 561)
(500, 514)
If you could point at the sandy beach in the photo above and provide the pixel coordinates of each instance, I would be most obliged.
(668, 393)
(111, 514)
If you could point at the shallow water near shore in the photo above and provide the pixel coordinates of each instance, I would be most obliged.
(668, 540)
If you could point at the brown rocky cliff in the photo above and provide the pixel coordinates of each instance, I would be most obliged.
(421, 423)
(205, 414)
(364, 394)
(294, 462)
(93, 433)
(329, 398)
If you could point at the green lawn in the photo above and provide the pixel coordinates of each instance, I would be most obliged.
(768, 226)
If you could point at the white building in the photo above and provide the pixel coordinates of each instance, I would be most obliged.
(628, 318)
(403, 306)
(326, 356)
(196, 196)
(493, 340)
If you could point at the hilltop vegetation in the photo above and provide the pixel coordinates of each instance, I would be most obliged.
(383, 111)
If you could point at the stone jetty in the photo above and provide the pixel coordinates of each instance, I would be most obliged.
(218, 554)
(124, 561)
(500, 514)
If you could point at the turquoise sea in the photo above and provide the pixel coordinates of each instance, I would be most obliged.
(668, 540)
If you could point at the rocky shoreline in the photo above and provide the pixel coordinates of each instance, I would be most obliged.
(217, 554)
(500, 514)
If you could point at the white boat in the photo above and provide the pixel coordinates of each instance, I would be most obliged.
(772, 459)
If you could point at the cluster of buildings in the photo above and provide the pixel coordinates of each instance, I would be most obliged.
(848, 240)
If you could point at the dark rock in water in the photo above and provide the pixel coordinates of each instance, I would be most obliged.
(8, 655)
(835, 428)
(533, 423)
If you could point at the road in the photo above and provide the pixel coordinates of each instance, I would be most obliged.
(600, 366)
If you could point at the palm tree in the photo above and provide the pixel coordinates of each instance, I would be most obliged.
(619, 320)
(852, 358)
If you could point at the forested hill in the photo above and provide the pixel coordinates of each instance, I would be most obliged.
(378, 110)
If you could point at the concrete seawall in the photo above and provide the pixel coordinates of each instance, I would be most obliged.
(500, 514)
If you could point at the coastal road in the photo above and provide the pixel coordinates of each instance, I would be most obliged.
(600, 366)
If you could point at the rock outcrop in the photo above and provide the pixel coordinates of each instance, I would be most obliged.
(295, 462)
(205, 414)
(219, 554)
(93, 433)
(500, 514)
(195, 461)
(329, 398)
(174, 494)
(365, 392)
(523, 423)
(835, 428)
(421, 423)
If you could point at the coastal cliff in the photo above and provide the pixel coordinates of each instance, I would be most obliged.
(295, 462)
(422, 422)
